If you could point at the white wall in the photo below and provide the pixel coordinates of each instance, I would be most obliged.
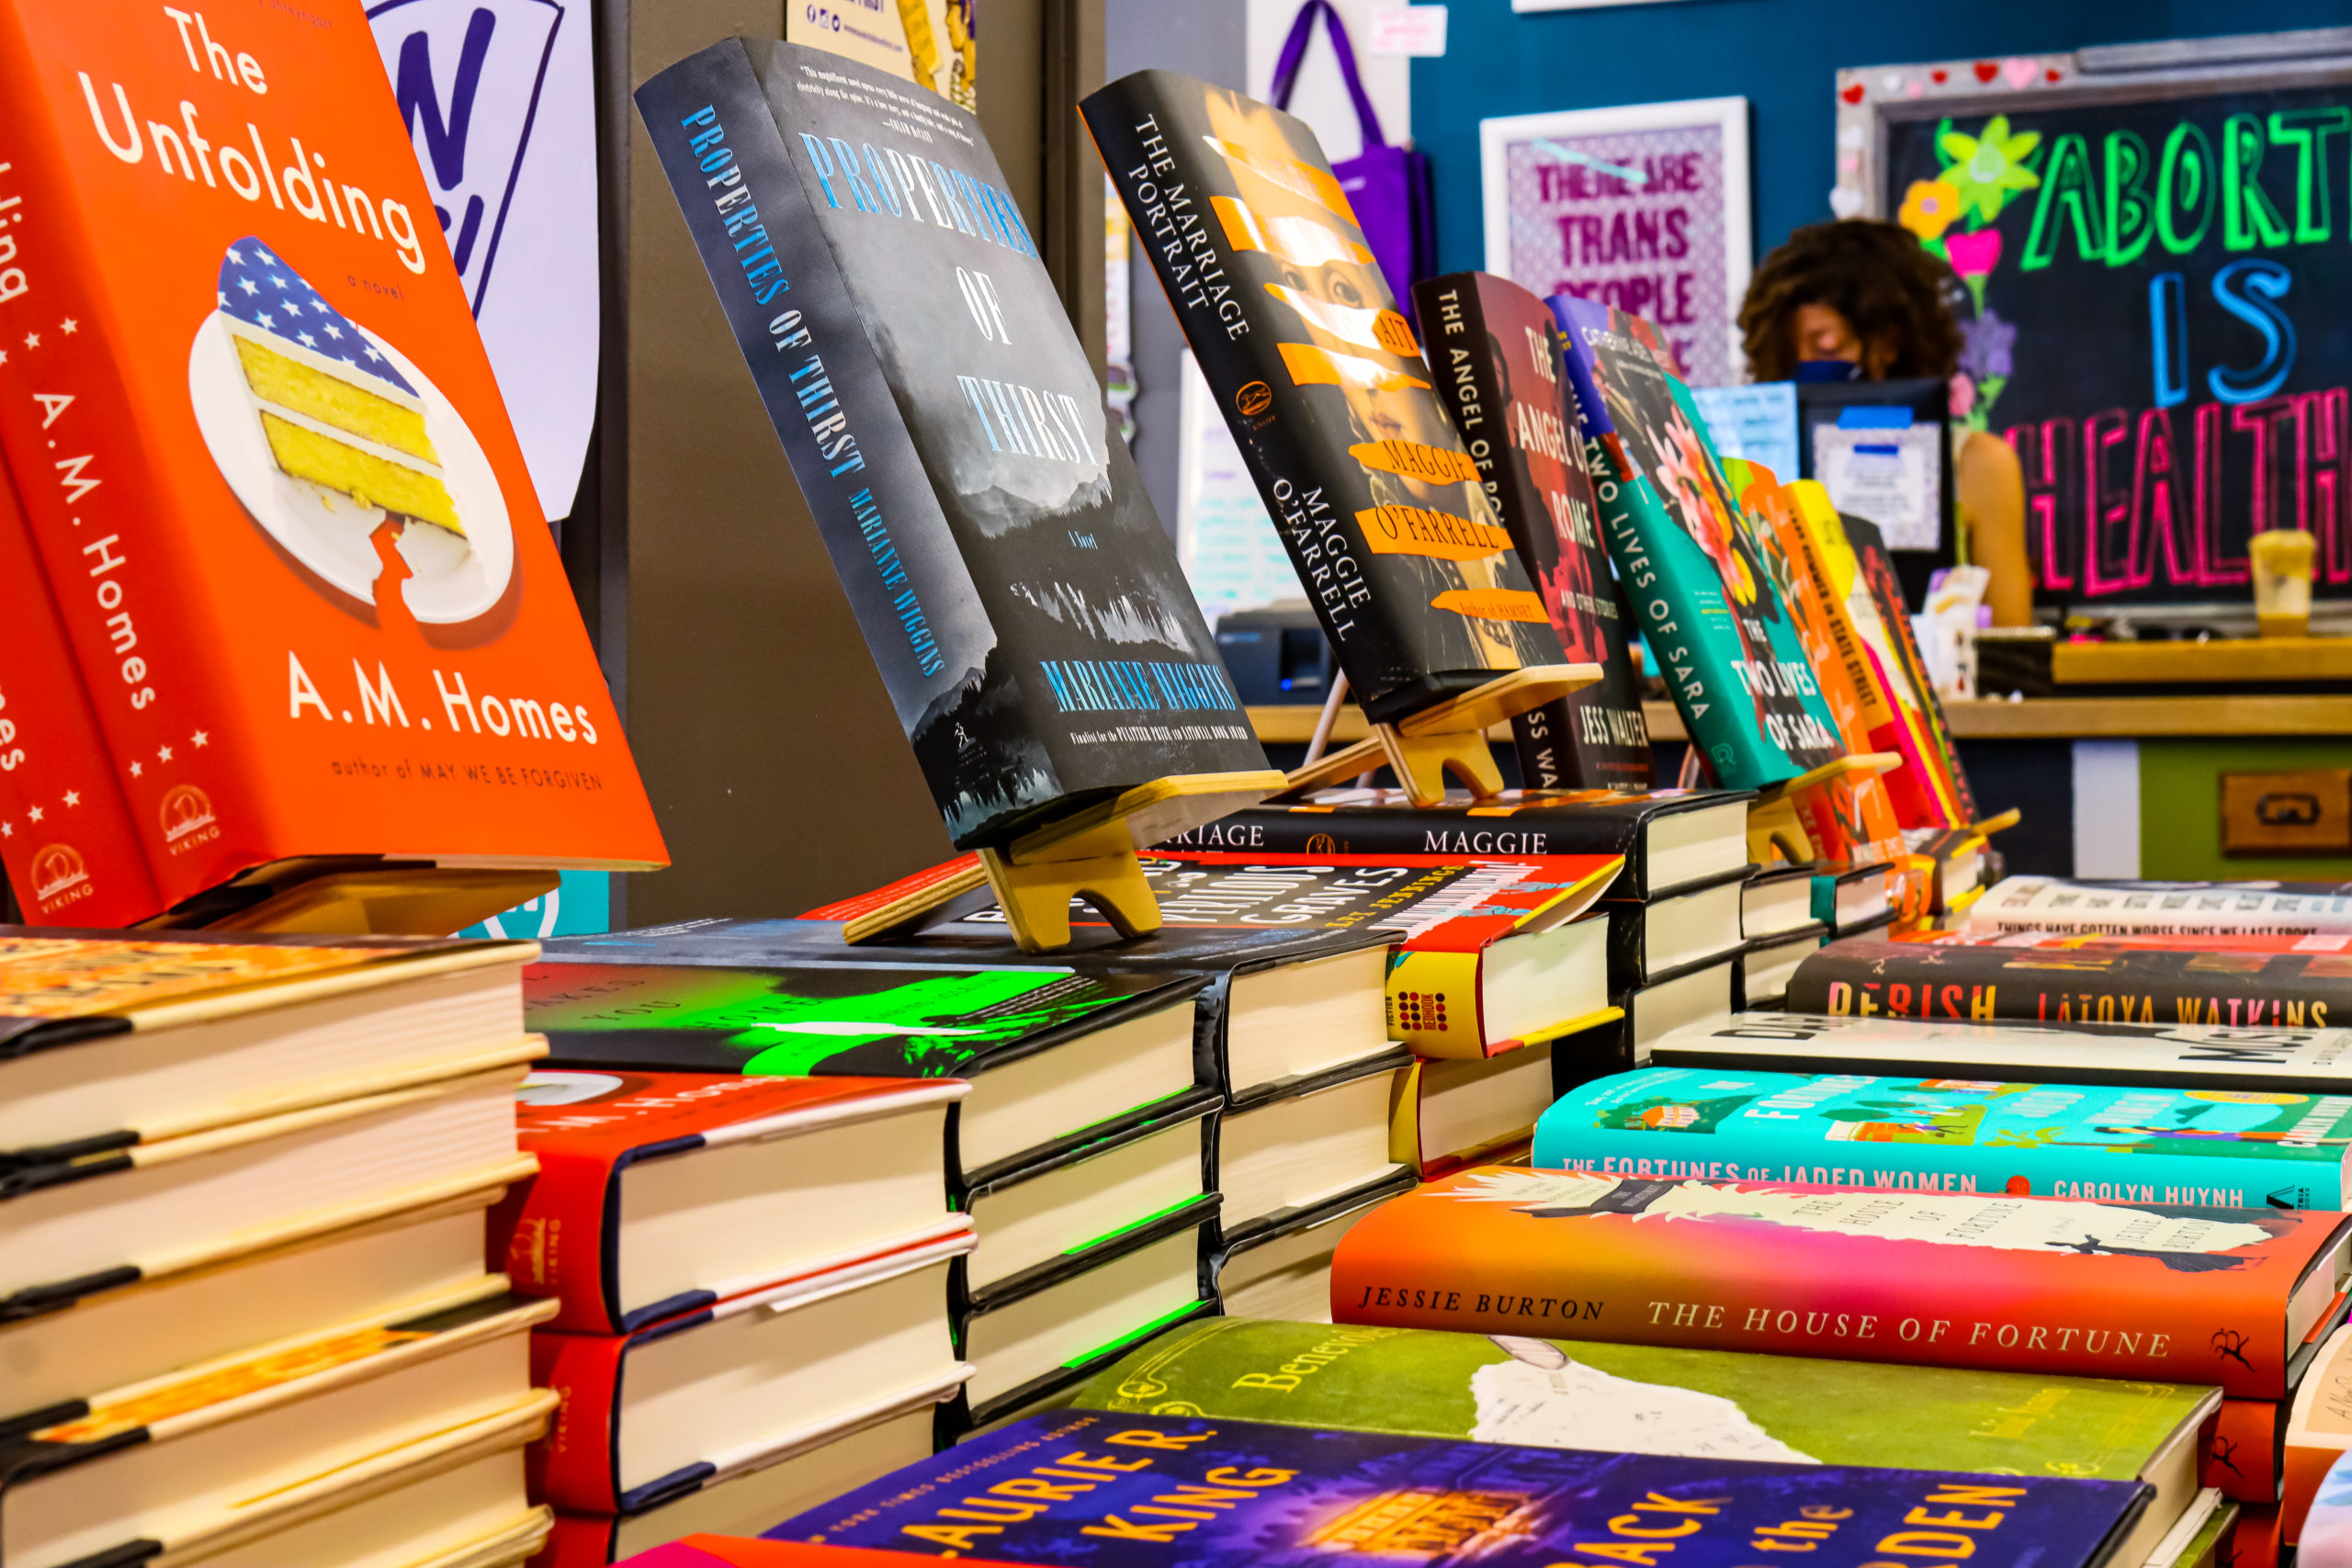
(1321, 97)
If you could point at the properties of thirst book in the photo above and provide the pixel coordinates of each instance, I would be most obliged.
(1581, 1393)
(1145, 1490)
(1411, 571)
(1705, 597)
(2169, 1292)
(1495, 353)
(291, 535)
(1019, 598)
(2207, 1147)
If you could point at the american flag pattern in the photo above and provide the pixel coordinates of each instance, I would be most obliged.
(260, 290)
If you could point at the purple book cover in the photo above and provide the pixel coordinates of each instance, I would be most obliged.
(1128, 1490)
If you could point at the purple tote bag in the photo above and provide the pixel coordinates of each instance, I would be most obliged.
(1388, 187)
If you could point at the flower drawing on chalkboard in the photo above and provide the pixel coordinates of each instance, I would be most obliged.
(1987, 167)
(1928, 209)
(1987, 358)
(1974, 256)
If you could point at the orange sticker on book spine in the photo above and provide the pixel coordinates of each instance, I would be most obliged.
(1419, 530)
(1492, 605)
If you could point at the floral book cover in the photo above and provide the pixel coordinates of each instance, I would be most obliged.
(1142, 1491)
(1495, 353)
(2132, 1287)
(292, 540)
(1702, 594)
(1019, 598)
(1397, 544)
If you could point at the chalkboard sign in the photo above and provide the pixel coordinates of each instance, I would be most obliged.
(2157, 256)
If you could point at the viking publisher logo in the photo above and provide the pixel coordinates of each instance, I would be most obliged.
(59, 876)
(187, 814)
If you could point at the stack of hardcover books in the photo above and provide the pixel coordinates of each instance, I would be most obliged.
(750, 1283)
(244, 1303)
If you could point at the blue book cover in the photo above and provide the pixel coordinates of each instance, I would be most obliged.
(2213, 1147)
(1097, 1490)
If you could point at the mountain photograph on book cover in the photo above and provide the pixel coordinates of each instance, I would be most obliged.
(1710, 608)
(1409, 569)
(1021, 598)
(1493, 349)
(1082, 1488)
(267, 465)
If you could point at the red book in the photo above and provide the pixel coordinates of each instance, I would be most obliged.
(685, 1402)
(660, 1193)
(2004, 1282)
(2242, 1458)
(66, 836)
(267, 467)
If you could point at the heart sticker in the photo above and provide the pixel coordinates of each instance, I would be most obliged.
(1986, 70)
(2052, 74)
(1915, 89)
(1941, 76)
(2020, 72)
(1892, 81)
(1852, 94)
(1844, 202)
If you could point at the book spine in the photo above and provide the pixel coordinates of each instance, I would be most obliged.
(100, 513)
(1327, 395)
(799, 330)
(66, 836)
(2242, 1457)
(574, 1466)
(1624, 1276)
(2074, 1161)
(549, 1236)
(1974, 985)
(583, 1540)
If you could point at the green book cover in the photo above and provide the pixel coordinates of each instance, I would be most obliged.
(1646, 1399)
(1706, 588)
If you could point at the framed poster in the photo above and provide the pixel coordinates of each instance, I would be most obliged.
(1643, 207)
(2156, 295)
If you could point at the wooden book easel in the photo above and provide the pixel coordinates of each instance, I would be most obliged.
(1089, 855)
(327, 897)
(1774, 820)
(1446, 738)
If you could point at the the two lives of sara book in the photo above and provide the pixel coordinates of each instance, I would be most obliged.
(287, 531)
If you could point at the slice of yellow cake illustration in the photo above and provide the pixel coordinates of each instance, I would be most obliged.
(334, 409)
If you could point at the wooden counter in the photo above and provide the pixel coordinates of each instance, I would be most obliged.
(2241, 662)
(2044, 718)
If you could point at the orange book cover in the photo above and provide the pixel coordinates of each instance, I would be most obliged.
(2000, 1282)
(66, 836)
(1854, 814)
(290, 533)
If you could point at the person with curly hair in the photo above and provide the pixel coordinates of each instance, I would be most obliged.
(1862, 292)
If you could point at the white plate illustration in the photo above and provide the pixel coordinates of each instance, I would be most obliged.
(451, 578)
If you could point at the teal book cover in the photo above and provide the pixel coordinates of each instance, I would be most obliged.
(2221, 1148)
(1708, 600)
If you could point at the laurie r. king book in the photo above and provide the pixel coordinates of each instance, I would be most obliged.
(1021, 598)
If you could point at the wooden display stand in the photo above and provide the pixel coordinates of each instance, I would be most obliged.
(1776, 829)
(1446, 738)
(329, 898)
(1089, 855)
